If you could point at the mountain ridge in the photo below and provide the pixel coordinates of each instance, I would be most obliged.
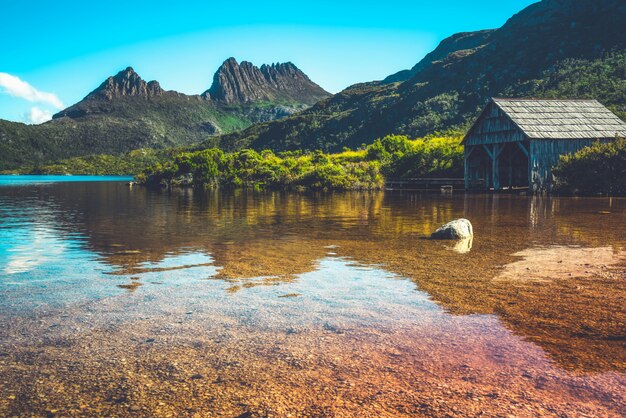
(457, 42)
(125, 112)
(245, 82)
(553, 48)
(544, 50)
(126, 83)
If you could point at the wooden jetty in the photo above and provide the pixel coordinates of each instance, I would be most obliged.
(444, 184)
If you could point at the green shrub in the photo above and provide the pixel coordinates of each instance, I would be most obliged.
(599, 168)
(428, 157)
(389, 148)
(365, 169)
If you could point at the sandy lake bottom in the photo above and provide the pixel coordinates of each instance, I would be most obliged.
(120, 302)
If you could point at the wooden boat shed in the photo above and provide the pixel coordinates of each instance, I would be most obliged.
(514, 143)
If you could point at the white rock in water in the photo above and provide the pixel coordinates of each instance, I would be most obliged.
(457, 229)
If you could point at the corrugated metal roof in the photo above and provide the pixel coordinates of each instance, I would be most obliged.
(561, 119)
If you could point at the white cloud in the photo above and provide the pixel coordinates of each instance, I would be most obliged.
(18, 88)
(38, 116)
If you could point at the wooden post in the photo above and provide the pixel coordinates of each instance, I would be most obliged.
(495, 169)
(530, 172)
(466, 171)
(466, 160)
(488, 172)
(495, 165)
(511, 154)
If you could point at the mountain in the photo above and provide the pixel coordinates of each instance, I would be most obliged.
(126, 112)
(126, 83)
(125, 86)
(553, 48)
(246, 83)
(458, 42)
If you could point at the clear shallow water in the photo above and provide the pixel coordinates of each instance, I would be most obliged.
(268, 296)
(8, 180)
(40, 262)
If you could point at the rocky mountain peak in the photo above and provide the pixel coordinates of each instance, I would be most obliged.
(246, 83)
(126, 83)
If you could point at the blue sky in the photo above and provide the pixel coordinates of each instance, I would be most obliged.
(67, 48)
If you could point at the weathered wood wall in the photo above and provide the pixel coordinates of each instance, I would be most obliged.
(493, 127)
(545, 153)
(484, 146)
(490, 152)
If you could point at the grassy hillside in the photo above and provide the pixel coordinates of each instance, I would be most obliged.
(603, 79)
(564, 48)
(128, 123)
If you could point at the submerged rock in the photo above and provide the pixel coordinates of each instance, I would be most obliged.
(457, 229)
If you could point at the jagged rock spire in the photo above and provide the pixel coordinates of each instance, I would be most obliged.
(126, 83)
(244, 83)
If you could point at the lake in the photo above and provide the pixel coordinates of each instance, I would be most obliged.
(117, 300)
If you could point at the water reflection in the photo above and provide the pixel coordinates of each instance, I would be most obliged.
(38, 246)
(128, 238)
(463, 246)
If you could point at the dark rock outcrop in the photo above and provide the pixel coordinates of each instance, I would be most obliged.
(126, 83)
(246, 83)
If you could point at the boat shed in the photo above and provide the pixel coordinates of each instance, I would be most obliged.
(514, 143)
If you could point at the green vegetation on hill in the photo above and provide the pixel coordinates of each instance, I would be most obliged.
(433, 156)
(600, 168)
(362, 113)
(125, 124)
(103, 164)
(603, 79)
(391, 156)
(568, 49)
